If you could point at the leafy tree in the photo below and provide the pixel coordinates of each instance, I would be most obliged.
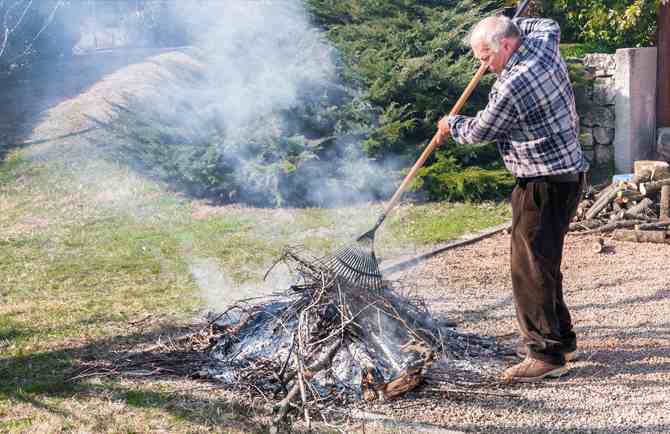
(606, 24)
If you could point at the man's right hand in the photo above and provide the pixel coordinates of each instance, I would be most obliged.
(442, 130)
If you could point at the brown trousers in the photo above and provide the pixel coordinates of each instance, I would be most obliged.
(541, 215)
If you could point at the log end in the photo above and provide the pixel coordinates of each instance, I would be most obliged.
(599, 246)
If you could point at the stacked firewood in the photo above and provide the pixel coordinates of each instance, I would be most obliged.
(637, 209)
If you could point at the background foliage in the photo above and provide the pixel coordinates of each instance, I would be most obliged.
(411, 58)
(605, 25)
(402, 64)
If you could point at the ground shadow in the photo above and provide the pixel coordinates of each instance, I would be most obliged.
(38, 377)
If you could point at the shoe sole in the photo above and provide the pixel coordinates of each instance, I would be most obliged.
(572, 356)
(555, 373)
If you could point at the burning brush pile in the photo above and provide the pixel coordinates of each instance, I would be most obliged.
(634, 209)
(327, 341)
(322, 343)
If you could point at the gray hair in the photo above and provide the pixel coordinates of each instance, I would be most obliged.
(492, 29)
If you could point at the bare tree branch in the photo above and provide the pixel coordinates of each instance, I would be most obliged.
(47, 22)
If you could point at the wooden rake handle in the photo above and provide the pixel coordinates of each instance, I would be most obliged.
(434, 142)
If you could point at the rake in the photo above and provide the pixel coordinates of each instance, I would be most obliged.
(356, 262)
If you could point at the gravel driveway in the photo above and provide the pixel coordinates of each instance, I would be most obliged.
(620, 302)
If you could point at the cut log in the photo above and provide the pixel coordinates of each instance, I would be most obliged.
(583, 207)
(599, 246)
(604, 198)
(586, 225)
(641, 207)
(636, 212)
(604, 192)
(665, 203)
(626, 215)
(653, 226)
(627, 196)
(639, 236)
(653, 187)
(643, 176)
(659, 169)
(608, 227)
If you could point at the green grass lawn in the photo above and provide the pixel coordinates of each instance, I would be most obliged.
(86, 251)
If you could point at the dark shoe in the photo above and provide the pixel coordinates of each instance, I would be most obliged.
(522, 352)
(531, 370)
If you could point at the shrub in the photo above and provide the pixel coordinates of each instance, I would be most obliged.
(448, 179)
(311, 158)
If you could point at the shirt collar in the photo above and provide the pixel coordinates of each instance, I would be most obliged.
(515, 58)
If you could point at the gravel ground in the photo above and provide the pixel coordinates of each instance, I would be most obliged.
(620, 303)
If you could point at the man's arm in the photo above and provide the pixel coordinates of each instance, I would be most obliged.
(542, 28)
(492, 123)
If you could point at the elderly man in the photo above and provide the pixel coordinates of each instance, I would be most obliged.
(531, 115)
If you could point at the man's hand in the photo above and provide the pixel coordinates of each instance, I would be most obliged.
(442, 130)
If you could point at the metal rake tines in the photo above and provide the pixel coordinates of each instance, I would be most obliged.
(356, 265)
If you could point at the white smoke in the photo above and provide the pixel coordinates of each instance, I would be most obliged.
(260, 54)
(219, 291)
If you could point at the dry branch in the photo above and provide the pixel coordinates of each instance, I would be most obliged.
(318, 344)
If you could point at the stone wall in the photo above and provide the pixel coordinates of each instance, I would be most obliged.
(597, 109)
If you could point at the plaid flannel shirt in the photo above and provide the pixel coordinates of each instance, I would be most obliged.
(531, 110)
